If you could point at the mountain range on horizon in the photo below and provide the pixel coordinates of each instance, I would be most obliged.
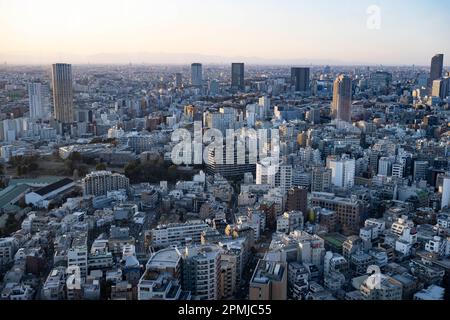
(167, 58)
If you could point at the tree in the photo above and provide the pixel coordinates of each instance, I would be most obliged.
(100, 167)
(75, 156)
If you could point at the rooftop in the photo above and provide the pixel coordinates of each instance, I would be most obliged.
(54, 186)
(267, 271)
(11, 193)
(166, 258)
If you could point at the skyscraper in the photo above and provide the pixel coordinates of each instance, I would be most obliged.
(63, 92)
(342, 98)
(196, 74)
(35, 96)
(237, 76)
(300, 79)
(437, 64)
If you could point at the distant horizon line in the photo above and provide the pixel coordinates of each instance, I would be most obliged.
(186, 58)
(211, 64)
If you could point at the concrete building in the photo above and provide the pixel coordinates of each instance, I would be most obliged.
(99, 183)
(321, 179)
(290, 221)
(54, 286)
(350, 212)
(297, 200)
(36, 100)
(433, 292)
(8, 248)
(181, 233)
(201, 271)
(343, 172)
(381, 287)
(77, 255)
(446, 192)
(269, 281)
(160, 280)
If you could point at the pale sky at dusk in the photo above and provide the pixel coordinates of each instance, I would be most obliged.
(41, 31)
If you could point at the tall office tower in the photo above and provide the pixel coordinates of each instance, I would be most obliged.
(178, 80)
(264, 107)
(342, 98)
(297, 200)
(63, 92)
(446, 192)
(196, 74)
(237, 76)
(300, 79)
(36, 99)
(437, 65)
(343, 172)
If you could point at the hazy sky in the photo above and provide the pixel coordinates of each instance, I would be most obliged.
(411, 31)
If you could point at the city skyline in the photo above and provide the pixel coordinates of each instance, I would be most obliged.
(178, 32)
(302, 154)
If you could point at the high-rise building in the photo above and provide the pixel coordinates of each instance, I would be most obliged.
(264, 107)
(300, 78)
(77, 255)
(196, 75)
(237, 76)
(321, 179)
(63, 92)
(437, 65)
(343, 172)
(441, 88)
(385, 166)
(297, 200)
(283, 178)
(420, 170)
(98, 183)
(36, 99)
(201, 271)
(213, 87)
(342, 98)
(446, 192)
